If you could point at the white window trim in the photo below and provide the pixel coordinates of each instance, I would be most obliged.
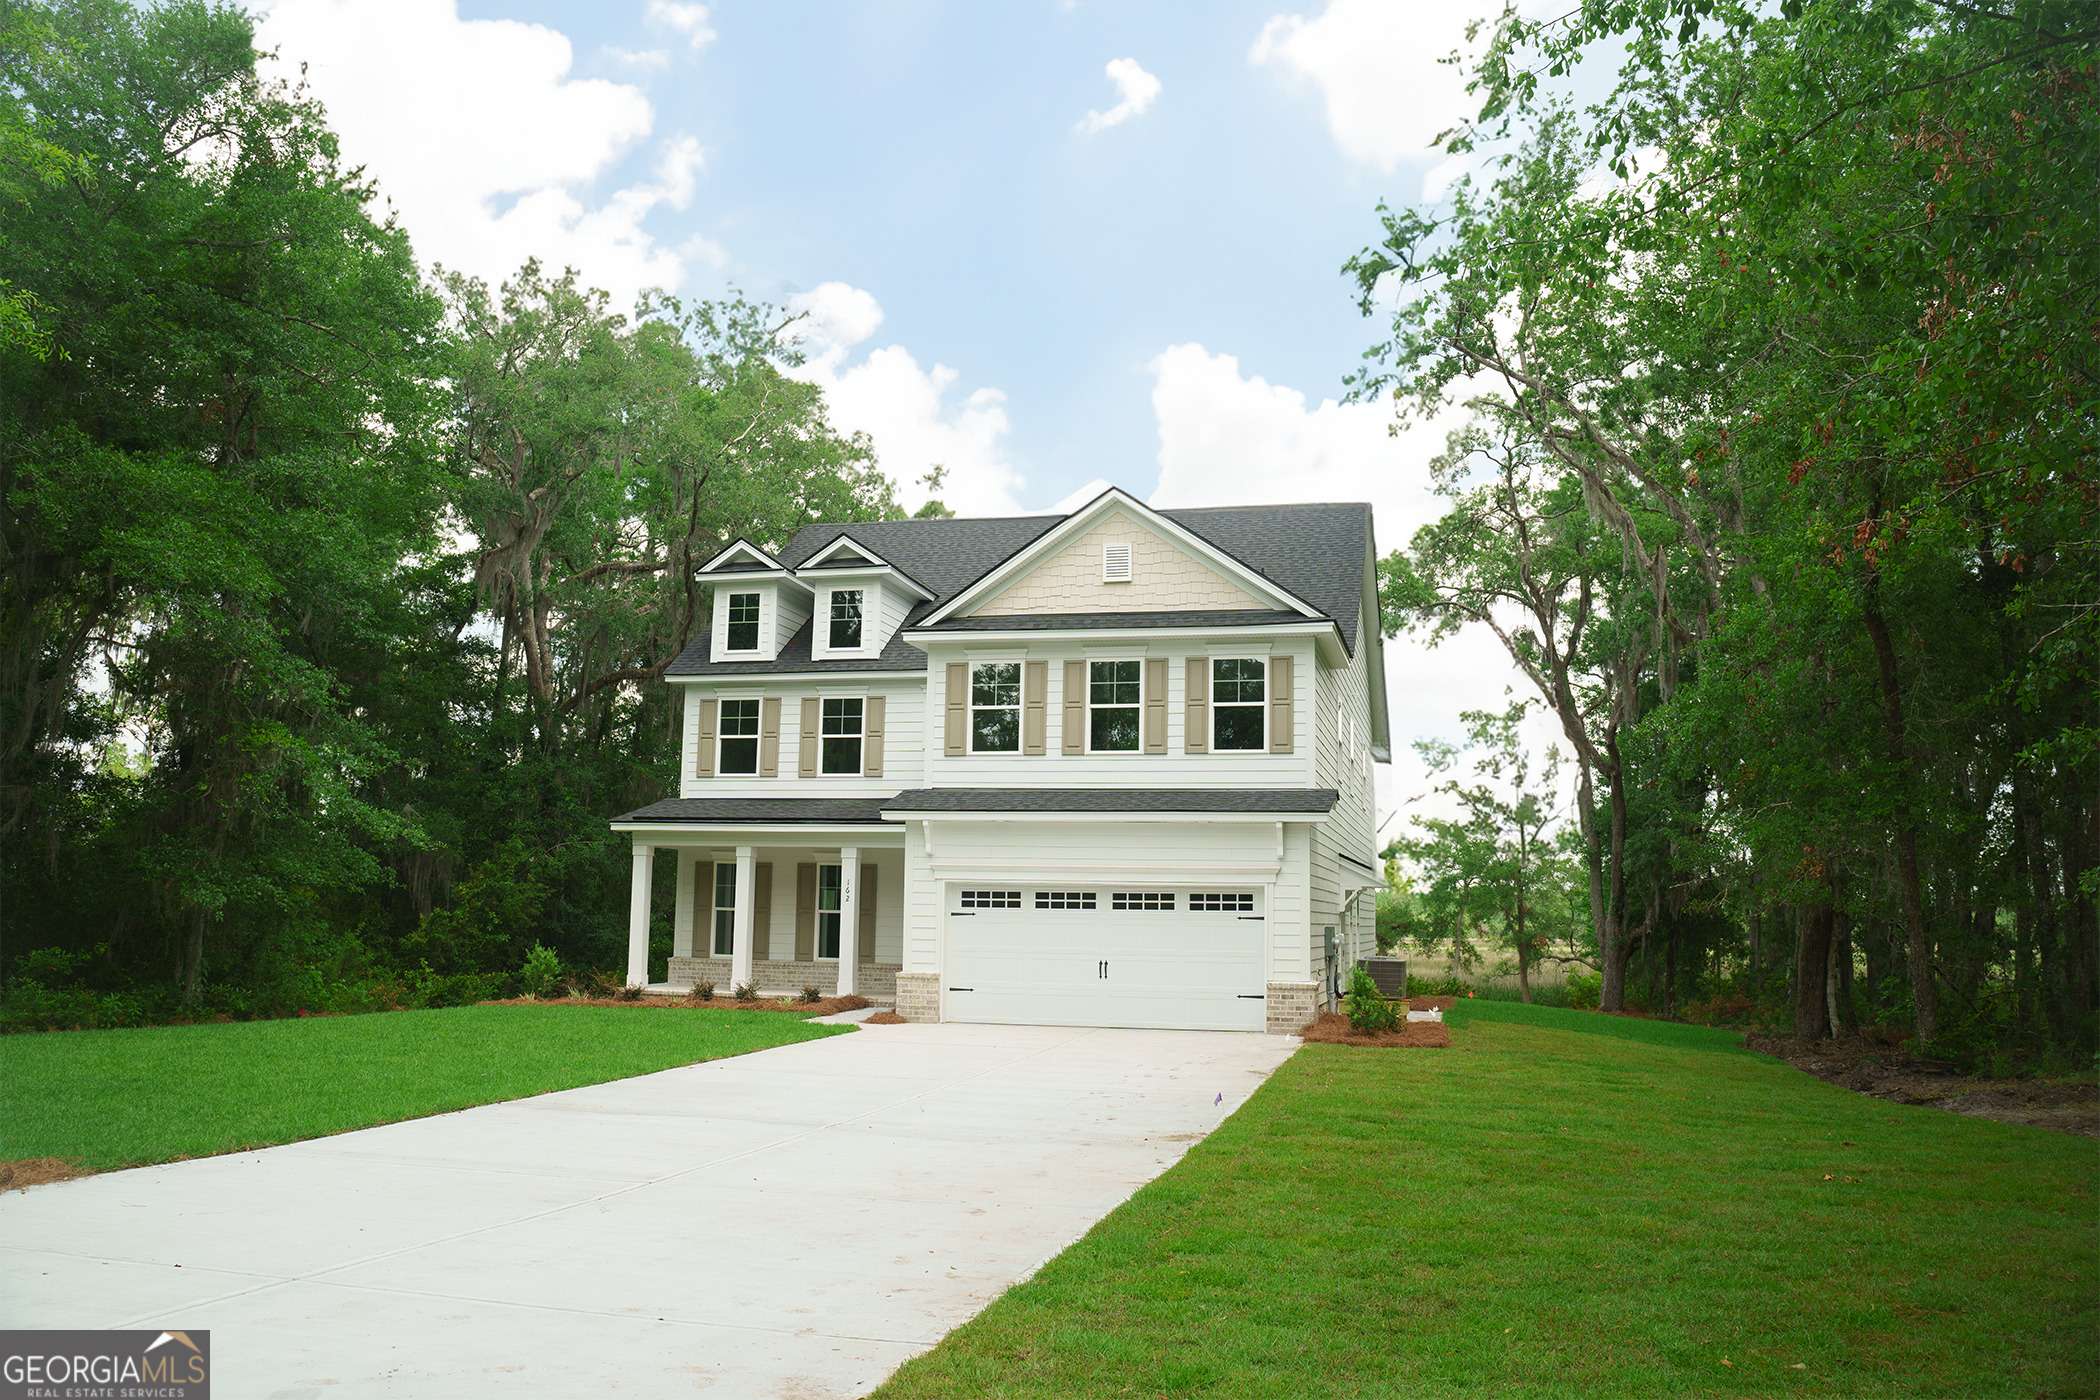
(858, 648)
(970, 706)
(861, 770)
(757, 736)
(758, 644)
(816, 914)
(1262, 704)
(715, 910)
(1090, 706)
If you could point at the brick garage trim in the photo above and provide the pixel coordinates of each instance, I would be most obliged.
(1291, 1005)
(919, 996)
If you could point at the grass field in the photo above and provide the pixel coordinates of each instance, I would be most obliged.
(1563, 1203)
(124, 1098)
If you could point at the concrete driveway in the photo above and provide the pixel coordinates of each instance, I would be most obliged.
(792, 1223)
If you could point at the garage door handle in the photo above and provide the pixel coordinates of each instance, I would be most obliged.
(959, 914)
(1254, 996)
(1252, 918)
(962, 989)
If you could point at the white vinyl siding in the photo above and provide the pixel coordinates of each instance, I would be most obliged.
(904, 731)
(1343, 728)
(1174, 768)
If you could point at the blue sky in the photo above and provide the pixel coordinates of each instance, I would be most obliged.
(994, 280)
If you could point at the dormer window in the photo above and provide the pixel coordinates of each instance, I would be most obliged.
(1115, 562)
(845, 619)
(743, 622)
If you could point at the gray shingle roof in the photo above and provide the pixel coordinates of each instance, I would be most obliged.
(769, 811)
(1113, 800)
(1315, 552)
(1042, 622)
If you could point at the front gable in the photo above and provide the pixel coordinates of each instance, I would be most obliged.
(1165, 575)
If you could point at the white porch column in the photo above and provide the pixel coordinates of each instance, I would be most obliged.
(638, 917)
(682, 911)
(746, 897)
(849, 919)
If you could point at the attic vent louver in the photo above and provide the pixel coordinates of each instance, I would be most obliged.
(1115, 563)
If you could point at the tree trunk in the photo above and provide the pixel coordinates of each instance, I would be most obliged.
(1812, 970)
(1843, 1016)
(1612, 942)
(1917, 950)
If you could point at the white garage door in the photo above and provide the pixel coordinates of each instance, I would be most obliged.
(1178, 958)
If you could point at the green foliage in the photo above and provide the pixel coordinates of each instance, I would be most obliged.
(702, 991)
(744, 991)
(541, 974)
(1583, 990)
(812, 993)
(100, 1098)
(1781, 1225)
(1368, 1010)
(1778, 483)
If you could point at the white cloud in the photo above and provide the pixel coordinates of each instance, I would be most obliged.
(1377, 68)
(906, 408)
(1136, 91)
(480, 136)
(653, 60)
(1227, 437)
(690, 20)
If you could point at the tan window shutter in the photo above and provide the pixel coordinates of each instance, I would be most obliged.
(871, 743)
(1035, 685)
(769, 738)
(806, 759)
(1155, 704)
(1195, 718)
(704, 744)
(1075, 707)
(1280, 709)
(867, 913)
(805, 911)
(761, 911)
(958, 697)
(703, 908)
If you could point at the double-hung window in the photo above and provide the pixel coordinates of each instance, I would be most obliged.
(743, 622)
(845, 618)
(840, 739)
(737, 738)
(1239, 704)
(995, 707)
(725, 909)
(830, 886)
(1114, 702)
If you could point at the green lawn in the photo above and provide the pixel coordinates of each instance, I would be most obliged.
(1566, 1203)
(124, 1098)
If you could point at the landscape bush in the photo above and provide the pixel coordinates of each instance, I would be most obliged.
(702, 991)
(541, 974)
(1369, 1011)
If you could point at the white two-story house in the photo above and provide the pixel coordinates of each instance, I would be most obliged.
(1109, 768)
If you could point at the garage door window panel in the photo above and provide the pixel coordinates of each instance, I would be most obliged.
(1115, 706)
(1074, 901)
(1141, 902)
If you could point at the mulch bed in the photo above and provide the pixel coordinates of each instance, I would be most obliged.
(827, 1006)
(1431, 1003)
(885, 1018)
(1334, 1029)
(36, 1171)
(1892, 1073)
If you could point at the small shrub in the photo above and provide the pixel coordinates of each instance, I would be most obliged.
(744, 991)
(541, 974)
(702, 991)
(592, 983)
(630, 993)
(811, 994)
(1369, 1011)
(1585, 990)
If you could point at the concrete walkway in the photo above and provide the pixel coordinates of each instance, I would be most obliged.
(792, 1223)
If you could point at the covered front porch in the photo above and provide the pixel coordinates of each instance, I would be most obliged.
(778, 910)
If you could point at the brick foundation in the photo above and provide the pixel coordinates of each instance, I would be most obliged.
(1291, 1005)
(875, 981)
(919, 996)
